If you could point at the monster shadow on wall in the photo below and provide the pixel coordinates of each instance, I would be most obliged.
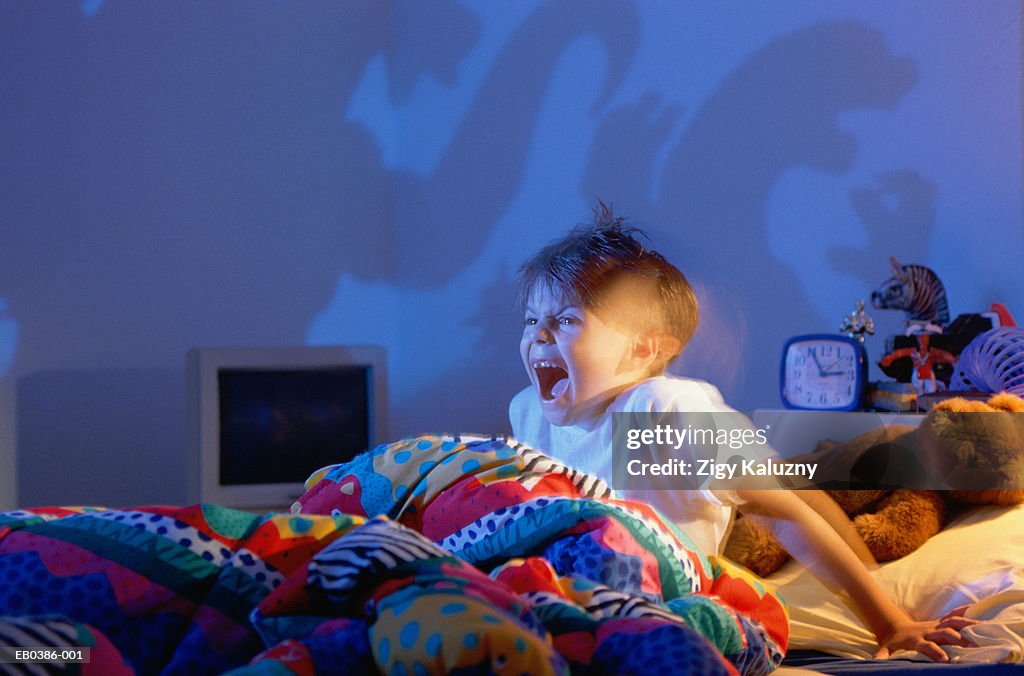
(280, 190)
(776, 111)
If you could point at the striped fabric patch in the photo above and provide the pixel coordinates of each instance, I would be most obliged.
(366, 554)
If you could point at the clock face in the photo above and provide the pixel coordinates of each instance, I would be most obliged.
(822, 373)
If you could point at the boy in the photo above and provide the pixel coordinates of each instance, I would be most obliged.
(603, 318)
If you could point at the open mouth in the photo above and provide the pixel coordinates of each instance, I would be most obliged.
(552, 380)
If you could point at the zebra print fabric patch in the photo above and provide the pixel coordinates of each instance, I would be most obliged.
(366, 554)
(536, 463)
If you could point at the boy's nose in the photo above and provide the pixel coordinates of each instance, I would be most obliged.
(541, 332)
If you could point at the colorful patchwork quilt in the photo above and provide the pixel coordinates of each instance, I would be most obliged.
(429, 555)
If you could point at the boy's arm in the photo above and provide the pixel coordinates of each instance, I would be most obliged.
(809, 538)
(829, 509)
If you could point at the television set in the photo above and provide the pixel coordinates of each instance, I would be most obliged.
(261, 420)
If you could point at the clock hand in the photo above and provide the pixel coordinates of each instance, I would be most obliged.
(814, 356)
(833, 364)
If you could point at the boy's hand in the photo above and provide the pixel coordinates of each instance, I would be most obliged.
(927, 637)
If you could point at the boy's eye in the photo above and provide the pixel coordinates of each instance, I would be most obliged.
(568, 321)
(530, 321)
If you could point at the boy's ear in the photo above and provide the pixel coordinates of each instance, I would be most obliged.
(653, 351)
(646, 350)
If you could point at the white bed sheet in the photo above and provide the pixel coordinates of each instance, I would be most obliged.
(978, 559)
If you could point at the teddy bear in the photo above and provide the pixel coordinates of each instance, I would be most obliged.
(952, 448)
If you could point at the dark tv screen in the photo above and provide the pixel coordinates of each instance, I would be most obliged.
(279, 426)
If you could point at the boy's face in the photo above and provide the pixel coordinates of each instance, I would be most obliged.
(576, 359)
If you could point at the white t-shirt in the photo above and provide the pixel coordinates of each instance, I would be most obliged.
(705, 516)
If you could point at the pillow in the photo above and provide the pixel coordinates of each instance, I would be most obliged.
(976, 560)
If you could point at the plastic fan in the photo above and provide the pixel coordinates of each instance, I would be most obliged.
(992, 362)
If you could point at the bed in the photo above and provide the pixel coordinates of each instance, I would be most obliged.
(447, 555)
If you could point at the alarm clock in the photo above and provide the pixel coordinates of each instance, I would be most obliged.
(823, 372)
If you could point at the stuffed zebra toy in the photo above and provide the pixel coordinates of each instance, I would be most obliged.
(916, 290)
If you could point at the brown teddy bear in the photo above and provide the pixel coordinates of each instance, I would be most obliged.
(952, 449)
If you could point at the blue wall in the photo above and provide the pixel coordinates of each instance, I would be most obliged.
(269, 173)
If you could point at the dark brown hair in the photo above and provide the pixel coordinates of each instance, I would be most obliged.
(582, 265)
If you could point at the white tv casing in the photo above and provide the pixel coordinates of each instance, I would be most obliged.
(203, 365)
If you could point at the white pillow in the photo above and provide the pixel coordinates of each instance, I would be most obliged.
(977, 559)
